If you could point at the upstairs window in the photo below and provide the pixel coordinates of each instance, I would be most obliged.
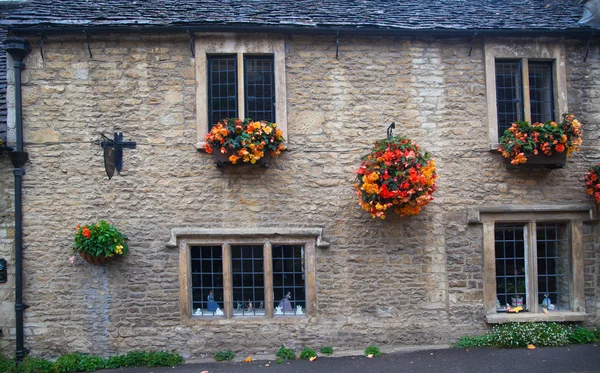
(524, 82)
(239, 76)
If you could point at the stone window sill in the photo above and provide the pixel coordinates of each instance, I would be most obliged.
(566, 316)
(248, 320)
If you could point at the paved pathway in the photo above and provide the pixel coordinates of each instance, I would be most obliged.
(571, 359)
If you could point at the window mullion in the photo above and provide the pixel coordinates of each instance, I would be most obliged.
(576, 266)
(268, 277)
(489, 264)
(241, 74)
(532, 273)
(525, 85)
(227, 282)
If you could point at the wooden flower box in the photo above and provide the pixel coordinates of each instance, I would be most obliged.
(556, 160)
(222, 159)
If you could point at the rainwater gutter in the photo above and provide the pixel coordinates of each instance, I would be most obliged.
(356, 31)
(18, 48)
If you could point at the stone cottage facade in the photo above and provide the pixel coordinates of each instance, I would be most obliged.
(295, 226)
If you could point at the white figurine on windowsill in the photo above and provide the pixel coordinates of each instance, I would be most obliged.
(278, 310)
(198, 312)
(299, 310)
(218, 312)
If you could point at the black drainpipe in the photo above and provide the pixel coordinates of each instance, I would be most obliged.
(18, 49)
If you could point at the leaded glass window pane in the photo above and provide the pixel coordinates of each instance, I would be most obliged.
(222, 88)
(289, 282)
(553, 266)
(207, 280)
(259, 88)
(541, 92)
(510, 266)
(509, 94)
(247, 269)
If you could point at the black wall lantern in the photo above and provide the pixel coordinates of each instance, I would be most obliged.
(113, 153)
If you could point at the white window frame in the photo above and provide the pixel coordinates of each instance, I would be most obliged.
(539, 50)
(239, 45)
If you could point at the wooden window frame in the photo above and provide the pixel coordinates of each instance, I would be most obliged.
(184, 239)
(534, 50)
(573, 216)
(239, 45)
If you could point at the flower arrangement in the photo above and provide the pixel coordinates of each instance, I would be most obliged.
(245, 139)
(100, 240)
(523, 140)
(395, 174)
(592, 182)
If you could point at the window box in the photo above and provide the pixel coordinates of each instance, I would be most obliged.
(556, 160)
(222, 159)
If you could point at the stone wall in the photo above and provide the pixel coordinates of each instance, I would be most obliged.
(7, 289)
(402, 281)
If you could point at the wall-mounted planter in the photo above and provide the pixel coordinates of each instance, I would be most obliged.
(96, 259)
(222, 159)
(556, 160)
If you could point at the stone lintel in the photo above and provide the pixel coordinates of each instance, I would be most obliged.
(561, 316)
(474, 212)
(176, 233)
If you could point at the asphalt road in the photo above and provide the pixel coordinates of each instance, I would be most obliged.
(571, 359)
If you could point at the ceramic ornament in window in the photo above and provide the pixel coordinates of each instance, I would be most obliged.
(396, 175)
(285, 303)
(212, 305)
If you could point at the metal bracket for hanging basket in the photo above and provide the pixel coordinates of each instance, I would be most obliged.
(390, 130)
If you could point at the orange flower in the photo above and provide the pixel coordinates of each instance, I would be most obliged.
(559, 148)
(86, 232)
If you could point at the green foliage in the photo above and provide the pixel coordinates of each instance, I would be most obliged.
(326, 350)
(597, 333)
(78, 363)
(224, 355)
(7, 365)
(473, 341)
(101, 239)
(144, 359)
(372, 350)
(537, 333)
(307, 353)
(581, 335)
(286, 353)
(35, 365)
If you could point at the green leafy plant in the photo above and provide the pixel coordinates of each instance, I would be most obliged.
(372, 350)
(472, 341)
(580, 335)
(326, 350)
(101, 239)
(286, 353)
(523, 140)
(147, 359)
(518, 334)
(224, 355)
(307, 353)
(78, 363)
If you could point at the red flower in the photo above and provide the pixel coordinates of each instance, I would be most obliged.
(86, 232)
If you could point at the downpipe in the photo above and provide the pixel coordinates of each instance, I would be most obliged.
(18, 48)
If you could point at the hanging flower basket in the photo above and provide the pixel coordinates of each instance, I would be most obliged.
(395, 175)
(99, 243)
(547, 143)
(233, 140)
(592, 182)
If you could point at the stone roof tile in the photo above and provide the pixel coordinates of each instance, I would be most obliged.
(392, 14)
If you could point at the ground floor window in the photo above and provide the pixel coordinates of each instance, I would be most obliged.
(247, 275)
(532, 262)
(544, 266)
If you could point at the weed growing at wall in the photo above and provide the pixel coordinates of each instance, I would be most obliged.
(326, 350)
(88, 363)
(224, 355)
(285, 353)
(372, 351)
(307, 353)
